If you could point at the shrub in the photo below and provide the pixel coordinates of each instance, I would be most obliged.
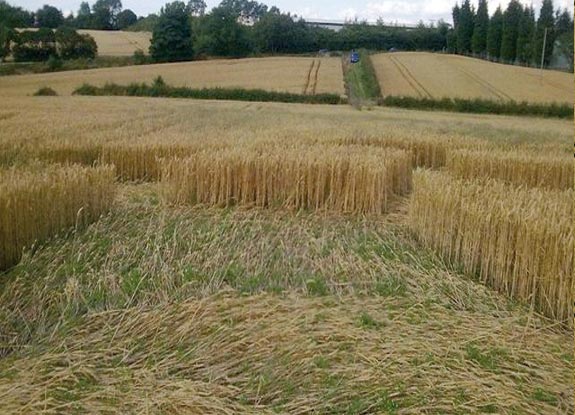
(140, 57)
(45, 92)
(54, 63)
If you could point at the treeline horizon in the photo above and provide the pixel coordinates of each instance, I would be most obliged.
(513, 35)
(239, 28)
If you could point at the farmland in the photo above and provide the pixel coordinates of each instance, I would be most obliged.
(295, 75)
(265, 257)
(118, 42)
(428, 75)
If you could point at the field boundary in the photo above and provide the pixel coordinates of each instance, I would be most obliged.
(480, 106)
(161, 90)
(361, 82)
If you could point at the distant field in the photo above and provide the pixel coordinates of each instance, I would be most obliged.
(119, 43)
(295, 75)
(429, 75)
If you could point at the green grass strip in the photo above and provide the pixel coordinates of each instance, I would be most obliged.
(361, 79)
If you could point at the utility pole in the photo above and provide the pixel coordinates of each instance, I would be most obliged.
(543, 51)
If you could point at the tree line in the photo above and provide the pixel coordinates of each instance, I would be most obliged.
(513, 35)
(238, 28)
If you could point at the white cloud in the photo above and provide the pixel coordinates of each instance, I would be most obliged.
(307, 12)
(412, 11)
(348, 14)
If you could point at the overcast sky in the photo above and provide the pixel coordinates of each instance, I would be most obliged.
(402, 11)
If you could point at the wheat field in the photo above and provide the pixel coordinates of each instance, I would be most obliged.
(285, 74)
(38, 202)
(429, 75)
(520, 241)
(527, 169)
(118, 42)
(283, 258)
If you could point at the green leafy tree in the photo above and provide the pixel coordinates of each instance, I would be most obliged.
(564, 45)
(465, 27)
(563, 23)
(220, 34)
(196, 8)
(564, 33)
(73, 45)
(480, 29)
(525, 36)
(84, 18)
(172, 36)
(34, 45)
(126, 18)
(245, 10)
(14, 17)
(455, 13)
(105, 14)
(49, 16)
(511, 19)
(277, 32)
(145, 24)
(546, 21)
(494, 34)
(6, 36)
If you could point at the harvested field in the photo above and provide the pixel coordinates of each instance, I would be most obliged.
(518, 241)
(260, 258)
(429, 75)
(286, 74)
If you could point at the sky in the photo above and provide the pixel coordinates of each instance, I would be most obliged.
(400, 11)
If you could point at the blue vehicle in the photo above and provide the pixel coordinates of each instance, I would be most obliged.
(354, 58)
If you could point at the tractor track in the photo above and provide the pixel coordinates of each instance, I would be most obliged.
(497, 92)
(315, 77)
(308, 78)
(411, 80)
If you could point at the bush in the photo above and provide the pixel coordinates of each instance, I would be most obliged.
(45, 92)
(54, 63)
(140, 57)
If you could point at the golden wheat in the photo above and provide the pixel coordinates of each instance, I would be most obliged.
(37, 202)
(141, 162)
(286, 74)
(430, 75)
(427, 150)
(341, 179)
(519, 241)
(514, 167)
